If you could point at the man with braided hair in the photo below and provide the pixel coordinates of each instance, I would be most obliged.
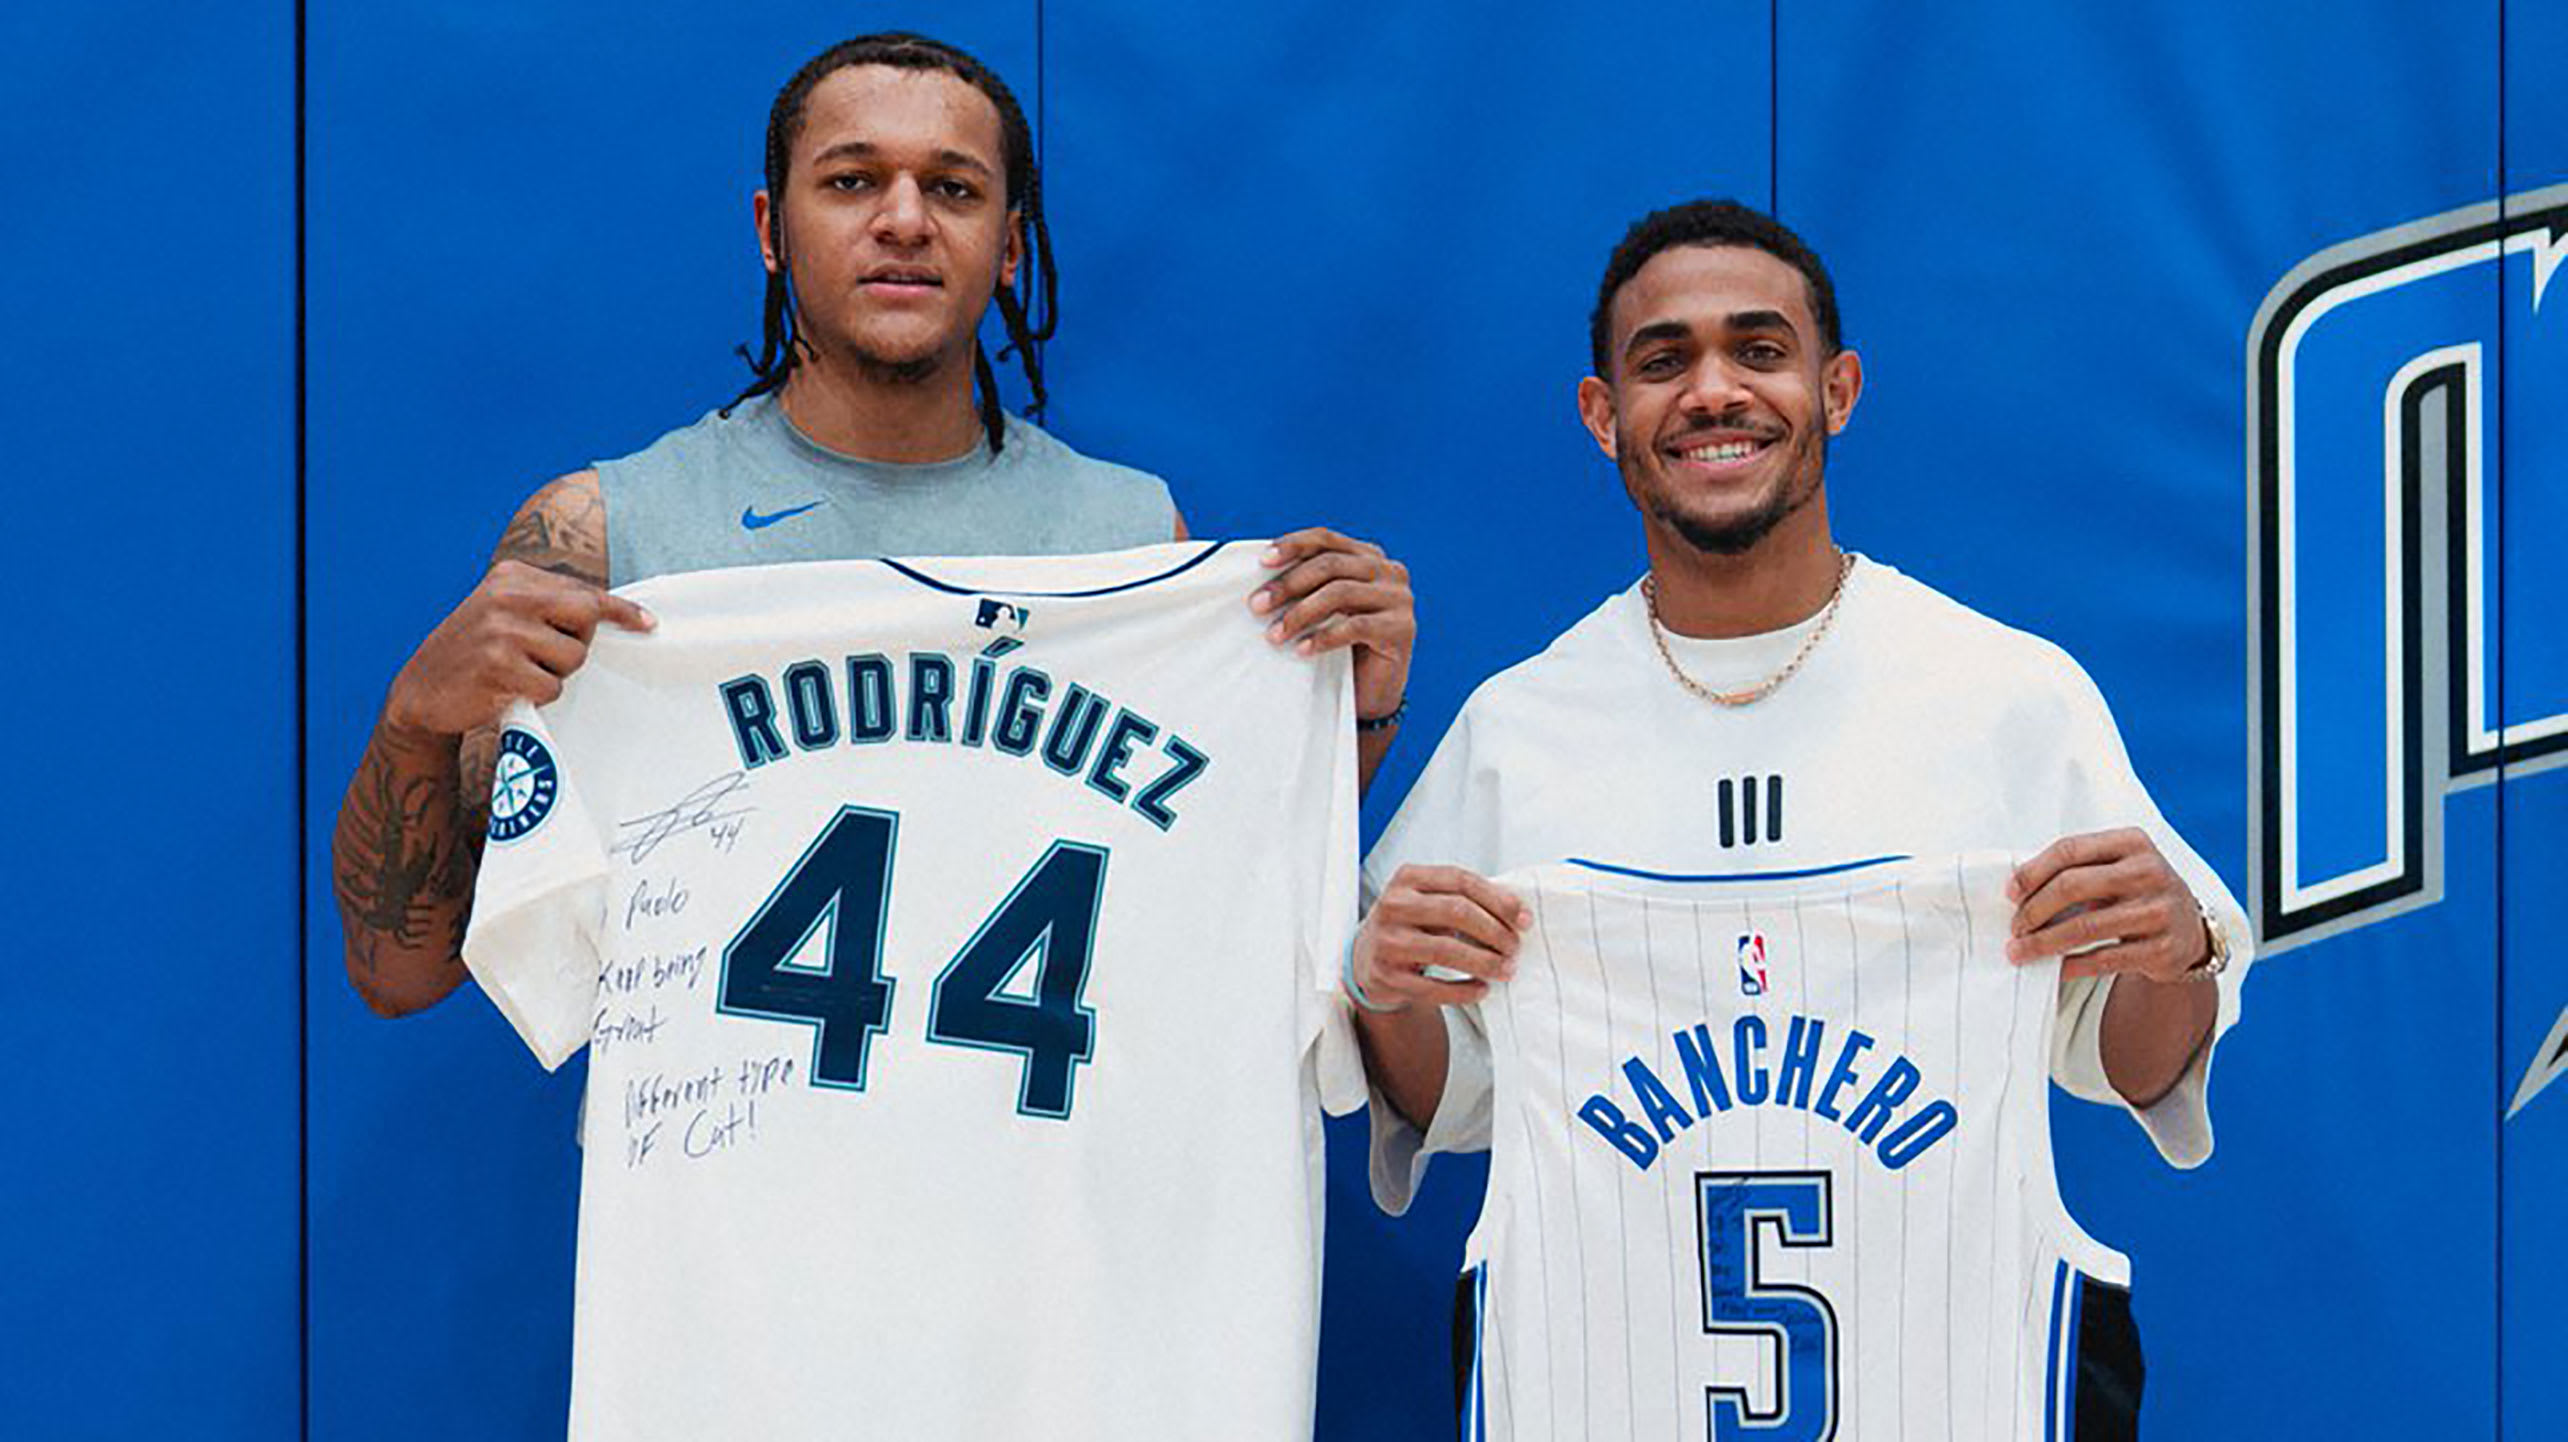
(901, 200)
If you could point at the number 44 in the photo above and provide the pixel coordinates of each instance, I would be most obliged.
(842, 886)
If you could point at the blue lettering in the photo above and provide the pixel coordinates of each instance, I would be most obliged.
(1656, 1100)
(1842, 1075)
(1887, 1093)
(1800, 1062)
(1913, 1136)
(1744, 1071)
(1625, 1136)
(1702, 1070)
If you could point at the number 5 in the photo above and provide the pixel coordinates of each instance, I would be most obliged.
(1734, 1212)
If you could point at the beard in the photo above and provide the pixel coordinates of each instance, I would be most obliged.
(872, 364)
(890, 371)
(1739, 534)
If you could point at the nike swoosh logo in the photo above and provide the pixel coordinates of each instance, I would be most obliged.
(750, 520)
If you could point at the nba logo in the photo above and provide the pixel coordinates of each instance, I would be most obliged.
(1752, 968)
(993, 614)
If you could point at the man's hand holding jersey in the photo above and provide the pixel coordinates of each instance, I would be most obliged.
(2111, 898)
(521, 633)
(1332, 591)
(1457, 922)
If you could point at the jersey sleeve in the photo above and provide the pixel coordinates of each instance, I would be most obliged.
(539, 904)
(1329, 926)
(1450, 818)
(2105, 792)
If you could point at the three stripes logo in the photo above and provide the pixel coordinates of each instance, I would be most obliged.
(1748, 810)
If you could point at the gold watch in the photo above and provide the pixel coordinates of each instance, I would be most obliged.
(2216, 959)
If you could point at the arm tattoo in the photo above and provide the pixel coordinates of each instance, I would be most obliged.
(476, 758)
(409, 836)
(563, 530)
(397, 870)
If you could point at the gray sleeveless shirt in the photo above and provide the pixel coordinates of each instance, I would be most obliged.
(749, 489)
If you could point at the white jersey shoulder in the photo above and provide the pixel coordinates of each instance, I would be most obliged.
(909, 911)
(1925, 631)
(1771, 1157)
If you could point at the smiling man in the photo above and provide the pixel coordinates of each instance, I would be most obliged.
(1762, 706)
(901, 202)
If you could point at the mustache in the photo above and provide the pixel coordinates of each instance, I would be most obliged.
(1728, 426)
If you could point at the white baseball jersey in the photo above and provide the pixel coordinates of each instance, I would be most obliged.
(952, 941)
(1771, 1159)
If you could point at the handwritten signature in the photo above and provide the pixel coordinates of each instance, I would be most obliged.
(700, 808)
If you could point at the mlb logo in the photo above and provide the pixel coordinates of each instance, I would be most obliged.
(995, 614)
(1752, 964)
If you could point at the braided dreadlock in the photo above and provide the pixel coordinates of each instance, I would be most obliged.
(783, 348)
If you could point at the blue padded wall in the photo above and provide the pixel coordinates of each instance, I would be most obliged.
(148, 1007)
(1319, 266)
(2531, 686)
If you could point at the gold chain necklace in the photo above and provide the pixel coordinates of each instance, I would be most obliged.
(1773, 683)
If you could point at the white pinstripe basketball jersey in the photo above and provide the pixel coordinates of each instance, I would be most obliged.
(1772, 1160)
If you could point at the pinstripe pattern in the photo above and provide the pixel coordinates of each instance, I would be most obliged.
(1942, 1273)
(1475, 1420)
(2051, 1367)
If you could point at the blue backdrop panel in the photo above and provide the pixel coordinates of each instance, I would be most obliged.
(2053, 228)
(147, 1010)
(2533, 793)
(1320, 272)
(531, 247)
(1317, 272)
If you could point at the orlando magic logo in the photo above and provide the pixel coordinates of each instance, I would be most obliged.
(523, 785)
(2381, 680)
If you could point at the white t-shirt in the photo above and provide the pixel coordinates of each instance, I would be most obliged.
(1773, 1156)
(953, 941)
(1917, 727)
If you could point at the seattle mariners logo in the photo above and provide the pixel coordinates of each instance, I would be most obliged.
(523, 785)
(2380, 678)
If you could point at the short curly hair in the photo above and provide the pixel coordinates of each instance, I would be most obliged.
(1710, 222)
